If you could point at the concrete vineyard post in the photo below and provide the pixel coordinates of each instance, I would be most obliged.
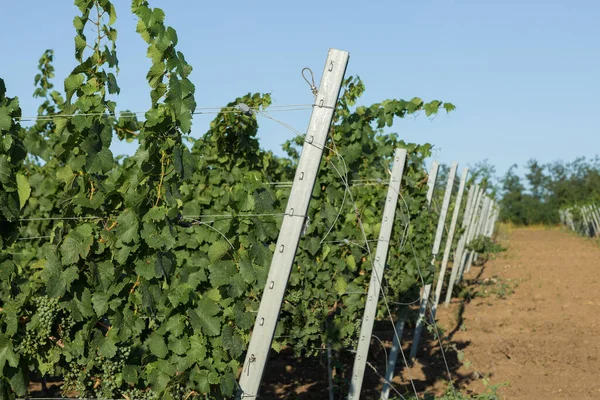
(399, 327)
(378, 267)
(293, 224)
(434, 251)
(469, 236)
(449, 240)
(461, 243)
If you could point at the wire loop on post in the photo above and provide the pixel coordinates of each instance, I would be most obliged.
(313, 86)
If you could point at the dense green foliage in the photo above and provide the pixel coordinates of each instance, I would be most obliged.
(138, 276)
(14, 188)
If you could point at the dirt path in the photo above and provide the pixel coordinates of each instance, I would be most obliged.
(544, 338)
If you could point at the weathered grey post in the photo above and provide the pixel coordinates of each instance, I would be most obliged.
(478, 229)
(467, 255)
(591, 219)
(483, 223)
(292, 225)
(594, 218)
(493, 220)
(594, 209)
(449, 240)
(488, 220)
(570, 219)
(480, 226)
(461, 243)
(392, 359)
(378, 267)
(484, 215)
(434, 251)
(586, 221)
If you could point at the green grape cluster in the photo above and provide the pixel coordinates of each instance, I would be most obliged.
(110, 369)
(294, 296)
(350, 342)
(178, 391)
(30, 345)
(75, 379)
(47, 310)
(138, 394)
(66, 324)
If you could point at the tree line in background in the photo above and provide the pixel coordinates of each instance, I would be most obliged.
(536, 196)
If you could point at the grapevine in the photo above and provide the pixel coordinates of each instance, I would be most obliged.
(124, 286)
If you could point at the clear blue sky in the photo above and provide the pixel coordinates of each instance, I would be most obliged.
(523, 75)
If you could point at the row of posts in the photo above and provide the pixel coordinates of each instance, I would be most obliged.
(479, 219)
(584, 220)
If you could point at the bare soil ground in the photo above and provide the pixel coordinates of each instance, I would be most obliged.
(544, 338)
(529, 318)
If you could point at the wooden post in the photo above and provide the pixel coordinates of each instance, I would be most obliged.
(436, 248)
(449, 240)
(378, 267)
(292, 225)
(398, 329)
(461, 243)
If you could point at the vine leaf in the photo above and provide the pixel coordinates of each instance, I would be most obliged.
(77, 244)
(5, 118)
(72, 84)
(179, 346)
(7, 355)
(56, 279)
(203, 318)
(127, 227)
(221, 273)
(108, 345)
(217, 250)
(23, 189)
(232, 341)
(5, 170)
(100, 303)
(157, 345)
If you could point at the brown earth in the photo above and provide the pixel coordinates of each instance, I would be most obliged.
(529, 318)
(544, 338)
